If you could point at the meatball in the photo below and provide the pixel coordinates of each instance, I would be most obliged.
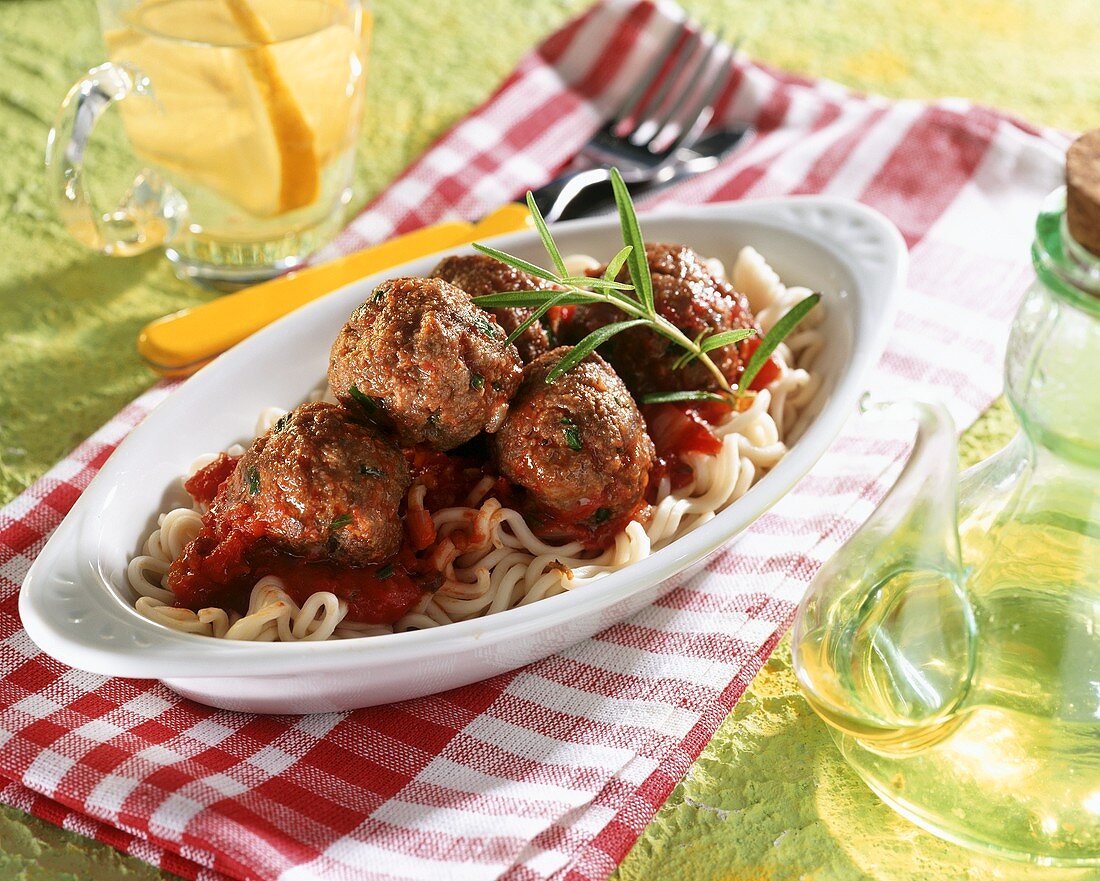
(420, 358)
(691, 297)
(578, 445)
(322, 485)
(480, 274)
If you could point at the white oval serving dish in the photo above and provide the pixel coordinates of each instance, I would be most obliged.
(76, 603)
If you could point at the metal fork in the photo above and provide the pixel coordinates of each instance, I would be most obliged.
(649, 133)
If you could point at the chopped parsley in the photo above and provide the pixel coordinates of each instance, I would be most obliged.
(477, 381)
(253, 474)
(433, 419)
(341, 521)
(572, 433)
(602, 515)
(497, 387)
(485, 326)
(385, 572)
(365, 401)
(369, 471)
(282, 422)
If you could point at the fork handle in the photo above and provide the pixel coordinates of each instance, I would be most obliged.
(556, 196)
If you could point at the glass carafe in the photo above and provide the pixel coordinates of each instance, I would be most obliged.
(953, 645)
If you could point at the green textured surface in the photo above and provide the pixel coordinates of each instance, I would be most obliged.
(769, 798)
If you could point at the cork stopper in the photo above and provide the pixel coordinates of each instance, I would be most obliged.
(1083, 190)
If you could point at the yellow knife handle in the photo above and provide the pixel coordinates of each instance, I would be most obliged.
(180, 344)
(506, 218)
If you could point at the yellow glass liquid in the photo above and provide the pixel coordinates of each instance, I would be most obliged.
(256, 108)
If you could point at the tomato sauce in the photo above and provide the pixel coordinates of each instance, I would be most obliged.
(680, 429)
(591, 525)
(231, 553)
(557, 315)
(448, 478)
(374, 594)
(204, 484)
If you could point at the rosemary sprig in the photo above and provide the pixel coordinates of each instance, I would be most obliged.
(634, 299)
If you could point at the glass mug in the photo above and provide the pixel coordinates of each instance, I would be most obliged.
(245, 113)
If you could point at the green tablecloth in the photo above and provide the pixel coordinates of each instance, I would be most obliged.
(770, 797)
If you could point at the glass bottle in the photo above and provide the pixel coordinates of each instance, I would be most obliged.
(953, 645)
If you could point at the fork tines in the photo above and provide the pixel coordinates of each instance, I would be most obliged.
(673, 99)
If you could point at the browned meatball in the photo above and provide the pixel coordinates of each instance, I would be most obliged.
(420, 358)
(480, 274)
(687, 294)
(322, 485)
(578, 445)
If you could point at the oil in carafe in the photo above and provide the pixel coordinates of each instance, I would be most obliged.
(960, 668)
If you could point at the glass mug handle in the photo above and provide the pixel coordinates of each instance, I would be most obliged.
(885, 640)
(151, 213)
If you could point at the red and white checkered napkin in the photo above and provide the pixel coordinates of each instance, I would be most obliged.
(555, 769)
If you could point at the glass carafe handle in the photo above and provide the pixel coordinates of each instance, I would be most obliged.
(884, 640)
(150, 214)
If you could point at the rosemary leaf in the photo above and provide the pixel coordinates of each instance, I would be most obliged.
(528, 299)
(632, 235)
(595, 283)
(674, 397)
(516, 262)
(544, 234)
(535, 315)
(726, 338)
(615, 265)
(589, 344)
(773, 338)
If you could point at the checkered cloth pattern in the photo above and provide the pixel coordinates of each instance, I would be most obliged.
(552, 770)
